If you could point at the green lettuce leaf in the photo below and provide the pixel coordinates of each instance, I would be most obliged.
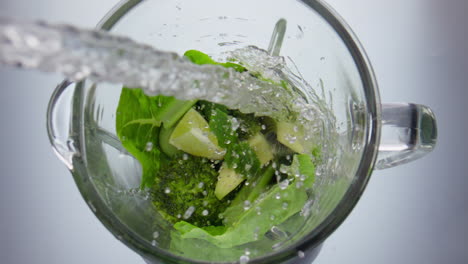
(138, 123)
(251, 224)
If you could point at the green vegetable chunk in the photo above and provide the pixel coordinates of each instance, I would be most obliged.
(183, 185)
(192, 135)
(228, 180)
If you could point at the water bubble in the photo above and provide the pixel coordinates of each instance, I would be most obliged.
(234, 124)
(283, 185)
(205, 212)
(258, 209)
(149, 146)
(189, 212)
(155, 234)
(291, 139)
(244, 259)
(167, 190)
(300, 254)
(246, 205)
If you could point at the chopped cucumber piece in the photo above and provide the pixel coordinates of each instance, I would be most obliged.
(228, 180)
(192, 135)
(262, 148)
(292, 136)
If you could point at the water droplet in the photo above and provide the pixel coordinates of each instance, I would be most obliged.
(201, 184)
(167, 190)
(205, 193)
(205, 212)
(154, 243)
(263, 127)
(205, 203)
(272, 217)
(258, 209)
(278, 196)
(185, 156)
(155, 234)
(285, 206)
(244, 259)
(283, 185)
(228, 142)
(247, 167)
(179, 216)
(234, 124)
(246, 205)
(299, 184)
(234, 166)
(247, 252)
(300, 254)
(149, 146)
(189, 212)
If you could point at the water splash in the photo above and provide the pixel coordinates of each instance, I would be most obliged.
(103, 57)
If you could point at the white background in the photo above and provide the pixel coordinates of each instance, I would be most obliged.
(415, 213)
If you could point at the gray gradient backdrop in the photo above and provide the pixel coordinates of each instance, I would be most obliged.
(416, 213)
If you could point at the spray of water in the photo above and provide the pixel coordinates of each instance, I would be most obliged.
(102, 57)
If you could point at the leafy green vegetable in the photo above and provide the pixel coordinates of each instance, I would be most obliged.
(251, 224)
(201, 58)
(138, 129)
(239, 155)
(257, 185)
(183, 186)
(184, 183)
(303, 168)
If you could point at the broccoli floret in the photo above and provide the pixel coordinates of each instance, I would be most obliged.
(184, 190)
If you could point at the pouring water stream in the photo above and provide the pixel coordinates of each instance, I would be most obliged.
(103, 57)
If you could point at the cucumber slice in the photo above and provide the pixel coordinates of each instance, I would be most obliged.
(228, 180)
(261, 147)
(192, 135)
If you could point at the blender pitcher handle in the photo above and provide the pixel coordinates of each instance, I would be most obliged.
(60, 123)
(409, 132)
